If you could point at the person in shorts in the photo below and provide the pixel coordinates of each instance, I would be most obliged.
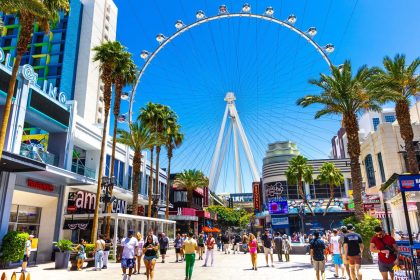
(178, 242)
(343, 232)
(27, 253)
(200, 242)
(226, 242)
(129, 245)
(163, 245)
(150, 249)
(335, 248)
(353, 249)
(387, 250)
(318, 256)
(278, 246)
(267, 240)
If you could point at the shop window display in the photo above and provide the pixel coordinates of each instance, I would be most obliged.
(25, 218)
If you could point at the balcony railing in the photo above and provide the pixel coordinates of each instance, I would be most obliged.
(83, 170)
(38, 154)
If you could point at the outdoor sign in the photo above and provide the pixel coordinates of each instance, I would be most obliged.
(409, 183)
(280, 221)
(85, 202)
(278, 207)
(256, 192)
(206, 196)
(274, 191)
(40, 186)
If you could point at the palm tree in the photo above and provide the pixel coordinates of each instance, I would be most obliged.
(174, 140)
(138, 139)
(190, 180)
(27, 11)
(107, 55)
(299, 172)
(125, 73)
(398, 83)
(346, 95)
(331, 175)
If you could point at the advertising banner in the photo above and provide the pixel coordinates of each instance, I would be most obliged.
(280, 221)
(409, 183)
(256, 193)
(278, 207)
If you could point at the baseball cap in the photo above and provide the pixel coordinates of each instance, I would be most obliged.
(130, 231)
(350, 227)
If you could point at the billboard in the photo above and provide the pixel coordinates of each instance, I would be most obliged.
(278, 207)
(256, 193)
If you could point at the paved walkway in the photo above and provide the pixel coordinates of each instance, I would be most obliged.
(237, 267)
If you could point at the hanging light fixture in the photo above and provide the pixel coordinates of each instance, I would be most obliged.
(292, 19)
(246, 8)
(144, 54)
(160, 38)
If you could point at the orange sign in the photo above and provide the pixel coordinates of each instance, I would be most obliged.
(256, 193)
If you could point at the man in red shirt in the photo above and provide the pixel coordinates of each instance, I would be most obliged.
(387, 249)
(210, 249)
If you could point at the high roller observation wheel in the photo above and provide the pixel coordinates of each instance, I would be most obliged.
(223, 13)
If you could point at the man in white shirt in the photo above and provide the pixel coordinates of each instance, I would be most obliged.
(335, 248)
(155, 238)
(130, 245)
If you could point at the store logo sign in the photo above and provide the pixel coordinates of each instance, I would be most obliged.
(256, 187)
(409, 182)
(40, 186)
(85, 202)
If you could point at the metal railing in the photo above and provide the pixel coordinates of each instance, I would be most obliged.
(83, 170)
(37, 153)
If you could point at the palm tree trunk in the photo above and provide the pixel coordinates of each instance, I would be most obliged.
(117, 102)
(157, 187)
(302, 194)
(402, 111)
(136, 181)
(168, 183)
(353, 146)
(26, 21)
(331, 198)
(149, 209)
(106, 77)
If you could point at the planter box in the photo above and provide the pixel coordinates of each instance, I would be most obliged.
(62, 260)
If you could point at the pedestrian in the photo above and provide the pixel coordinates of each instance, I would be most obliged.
(387, 249)
(343, 232)
(138, 253)
(335, 248)
(155, 238)
(318, 257)
(253, 250)
(278, 246)
(178, 247)
(219, 242)
(353, 249)
(236, 241)
(245, 243)
(267, 240)
(129, 244)
(287, 247)
(108, 244)
(190, 246)
(27, 253)
(80, 254)
(163, 245)
(225, 241)
(183, 238)
(200, 242)
(99, 253)
(150, 250)
(210, 242)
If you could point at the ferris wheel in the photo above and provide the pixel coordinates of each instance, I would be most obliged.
(252, 55)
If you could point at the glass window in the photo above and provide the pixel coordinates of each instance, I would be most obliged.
(28, 214)
(389, 119)
(25, 218)
(292, 192)
(120, 173)
(375, 123)
(130, 170)
(370, 171)
(13, 213)
(381, 168)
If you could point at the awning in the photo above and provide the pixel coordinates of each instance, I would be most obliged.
(59, 176)
(381, 214)
(16, 163)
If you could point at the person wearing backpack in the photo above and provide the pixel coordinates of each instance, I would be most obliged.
(387, 249)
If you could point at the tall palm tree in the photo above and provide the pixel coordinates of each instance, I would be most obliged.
(107, 55)
(174, 140)
(138, 139)
(346, 95)
(299, 172)
(398, 83)
(190, 180)
(44, 12)
(125, 73)
(332, 176)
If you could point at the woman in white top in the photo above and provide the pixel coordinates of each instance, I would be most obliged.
(139, 253)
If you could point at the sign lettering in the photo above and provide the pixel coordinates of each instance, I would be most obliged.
(256, 195)
(85, 202)
(409, 183)
(40, 186)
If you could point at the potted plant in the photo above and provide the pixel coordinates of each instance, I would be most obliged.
(13, 248)
(62, 258)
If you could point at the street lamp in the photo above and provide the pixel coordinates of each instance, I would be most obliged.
(124, 96)
(107, 185)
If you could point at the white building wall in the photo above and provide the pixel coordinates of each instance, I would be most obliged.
(99, 23)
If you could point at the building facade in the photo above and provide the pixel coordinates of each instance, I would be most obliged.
(282, 204)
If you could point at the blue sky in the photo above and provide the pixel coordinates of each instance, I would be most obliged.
(266, 65)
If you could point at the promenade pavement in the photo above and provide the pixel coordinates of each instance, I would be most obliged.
(237, 267)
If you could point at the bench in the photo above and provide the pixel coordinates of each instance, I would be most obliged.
(90, 261)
